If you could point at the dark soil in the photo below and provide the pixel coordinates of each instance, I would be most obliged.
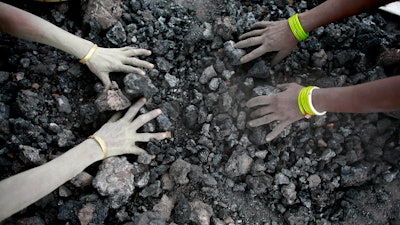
(335, 169)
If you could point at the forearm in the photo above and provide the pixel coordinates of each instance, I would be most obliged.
(27, 26)
(376, 96)
(23, 189)
(333, 10)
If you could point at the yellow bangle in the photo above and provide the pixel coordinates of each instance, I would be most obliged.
(304, 102)
(296, 28)
(88, 55)
(102, 144)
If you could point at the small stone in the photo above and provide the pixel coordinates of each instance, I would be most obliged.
(314, 180)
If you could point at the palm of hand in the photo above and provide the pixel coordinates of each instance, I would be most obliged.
(120, 134)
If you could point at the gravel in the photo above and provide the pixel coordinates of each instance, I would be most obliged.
(335, 169)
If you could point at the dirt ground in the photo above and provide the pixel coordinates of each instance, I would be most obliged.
(335, 169)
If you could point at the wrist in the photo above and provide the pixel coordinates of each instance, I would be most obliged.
(92, 151)
(296, 27)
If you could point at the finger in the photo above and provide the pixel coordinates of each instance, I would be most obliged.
(131, 69)
(252, 33)
(279, 56)
(261, 112)
(259, 100)
(254, 54)
(144, 118)
(138, 62)
(249, 42)
(137, 151)
(145, 137)
(115, 117)
(137, 52)
(105, 79)
(134, 109)
(277, 130)
(260, 24)
(262, 120)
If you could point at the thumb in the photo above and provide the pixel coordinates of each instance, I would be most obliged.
(105, 78)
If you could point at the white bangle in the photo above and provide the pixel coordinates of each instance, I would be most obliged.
(311, 105)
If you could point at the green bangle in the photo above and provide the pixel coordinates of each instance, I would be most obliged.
(296, 28)
(304, 101)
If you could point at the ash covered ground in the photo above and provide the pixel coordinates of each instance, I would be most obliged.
(335, 169)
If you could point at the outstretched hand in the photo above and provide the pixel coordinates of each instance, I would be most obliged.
(120, 133)
(281, 107)
(106, 60)
(271, 37)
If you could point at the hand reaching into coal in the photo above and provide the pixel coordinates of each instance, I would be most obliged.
(270, 37)
(106, 60)
(101, 61)
(120, 134)
(281, 107)
(116, 137)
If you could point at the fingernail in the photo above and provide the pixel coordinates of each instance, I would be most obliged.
(268, 139)
(158, 111)
(168, 134)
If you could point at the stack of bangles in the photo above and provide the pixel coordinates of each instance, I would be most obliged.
(297, 28)
(304, 101)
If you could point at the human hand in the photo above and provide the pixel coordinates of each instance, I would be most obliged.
(272, 37)
(281, 107)
(120, 134)
(106, 60)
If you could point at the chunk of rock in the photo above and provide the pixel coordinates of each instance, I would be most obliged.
(179, 171)
(238, 164)
(115, 179)
(112, 99)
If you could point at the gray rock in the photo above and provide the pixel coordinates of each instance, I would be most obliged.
(232, 53)
(115, 180)
(207, 75)
(104, 12)
(201, 213)
(137, 86)
(171, 80)
(214, 83)
(289, 193)
(63, 104)
(238, 164)
(179, 171)
(31, 155)
(117, 34)
(259, 70)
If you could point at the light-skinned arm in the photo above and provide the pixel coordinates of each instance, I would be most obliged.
(120, 137)
(376, 96)
(27, 26)
(277, 37)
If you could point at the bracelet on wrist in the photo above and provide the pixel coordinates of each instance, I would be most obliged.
(89, 54)
(297, 28)
(304, 101)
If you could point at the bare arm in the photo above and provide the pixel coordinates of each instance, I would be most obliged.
(120, 136)
(31, 185)
(333, 10)
(376, 96)
(27, 26)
